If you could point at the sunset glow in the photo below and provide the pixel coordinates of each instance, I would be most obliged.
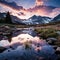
(29, 29)
(36, 7)
(23, 38)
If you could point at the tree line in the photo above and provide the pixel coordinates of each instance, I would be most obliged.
(6, 19)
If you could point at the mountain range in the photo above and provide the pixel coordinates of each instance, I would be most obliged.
(56, 19)
(32, 20)
(37, 20)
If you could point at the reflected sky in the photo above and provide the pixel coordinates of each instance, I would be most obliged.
(17, 48)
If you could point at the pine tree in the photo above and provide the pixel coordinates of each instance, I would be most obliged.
(8, 18)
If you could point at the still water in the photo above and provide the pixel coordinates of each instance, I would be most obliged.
(26, 45)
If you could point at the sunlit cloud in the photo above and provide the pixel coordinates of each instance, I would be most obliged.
(23, 13)
(55, 12)
(39, 2)
(12, 5)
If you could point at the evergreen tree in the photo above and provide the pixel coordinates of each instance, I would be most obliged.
(8, 18)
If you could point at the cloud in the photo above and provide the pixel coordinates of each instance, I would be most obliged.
(12, 5)
(55, 12)
(39, 2)
(21, 14)
(13, 8)
(38, 9)
(41, 10)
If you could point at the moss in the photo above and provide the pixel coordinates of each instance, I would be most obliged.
(45, 33)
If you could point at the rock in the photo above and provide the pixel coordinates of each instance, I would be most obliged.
(4, 43)
(58, 50)
(51, 41)
(58, 32)
(2, 49)
(58, 57)
(55, 47)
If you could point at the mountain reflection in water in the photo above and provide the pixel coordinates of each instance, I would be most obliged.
(26, 45)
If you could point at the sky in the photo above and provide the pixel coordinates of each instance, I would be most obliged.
(24, 9)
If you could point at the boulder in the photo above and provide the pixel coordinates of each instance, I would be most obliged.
(58, 50)
(51, 41)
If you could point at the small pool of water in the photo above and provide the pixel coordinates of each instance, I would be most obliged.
(26, 45)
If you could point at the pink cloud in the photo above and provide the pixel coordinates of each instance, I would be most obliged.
(38, 9)
(39, 2)
(55, 12)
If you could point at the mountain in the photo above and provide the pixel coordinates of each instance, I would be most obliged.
(56, 19)
(15, 19)
(30, 21)
(37, 20)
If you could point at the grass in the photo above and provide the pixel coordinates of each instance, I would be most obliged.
(45, 33)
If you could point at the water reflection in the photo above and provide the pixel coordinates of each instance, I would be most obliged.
(26, 45)
(29, 31)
